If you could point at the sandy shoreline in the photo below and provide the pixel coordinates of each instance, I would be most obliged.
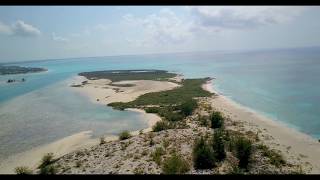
(103, 91)
(31, 158)
(292, 143)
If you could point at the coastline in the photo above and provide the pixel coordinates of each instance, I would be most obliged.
(295, 145)
(32, 157)
(74, 142)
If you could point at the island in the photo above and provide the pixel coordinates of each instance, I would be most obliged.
(194, 130)
(7, 70)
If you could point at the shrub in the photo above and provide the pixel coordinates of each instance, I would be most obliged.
(102, 141)
(243, 149)
(152, 110)
(175, 165)
(274, 157)
(187, 107)
(166, 144)
(160, 126)
(23, 170)
(218, 145)
(173, 117)
(204, 121)
(46, 160)
(124, 135)
(138, 170)
(49, 169)
(216, 120)
(156, 155)
(236, 170)
(203, 156)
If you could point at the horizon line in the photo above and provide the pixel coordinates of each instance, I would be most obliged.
(163, 53)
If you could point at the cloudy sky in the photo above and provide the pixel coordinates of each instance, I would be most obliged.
(33, 33)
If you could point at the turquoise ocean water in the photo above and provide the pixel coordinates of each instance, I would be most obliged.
(281, 84)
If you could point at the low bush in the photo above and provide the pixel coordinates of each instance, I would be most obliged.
(175, 164)
(102, 141)
(203, 155)
(46, 166)
(152, 110)
(49, 169)
(275, 158)
(156, 155)
(216, 120)
(243, 149)
(160, 126)
(23, 170)
(218, 145)
(46, 160)
(204, 121)
(124, 135)
(187, 107)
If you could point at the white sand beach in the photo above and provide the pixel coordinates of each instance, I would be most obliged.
(292, 143)
(31, 158)
(95, 89)
(103, 92)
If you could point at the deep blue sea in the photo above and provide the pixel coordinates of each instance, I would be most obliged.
(282, 84)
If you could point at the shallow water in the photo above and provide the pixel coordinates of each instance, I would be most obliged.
(282, 84)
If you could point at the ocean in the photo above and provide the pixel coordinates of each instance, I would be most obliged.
(282, 84)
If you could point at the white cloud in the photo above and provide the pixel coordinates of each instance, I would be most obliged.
(19, 28)
(241, 17)
(59, 38)
(160, 28)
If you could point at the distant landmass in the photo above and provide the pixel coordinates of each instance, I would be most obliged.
(5, 70)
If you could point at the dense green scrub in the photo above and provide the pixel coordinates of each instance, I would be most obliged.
(121, 75)
(4, 70)
(172, 105)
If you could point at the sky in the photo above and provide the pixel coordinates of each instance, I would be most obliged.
(43, 32)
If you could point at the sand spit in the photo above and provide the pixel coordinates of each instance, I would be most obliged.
(293, 144)
(103, 92)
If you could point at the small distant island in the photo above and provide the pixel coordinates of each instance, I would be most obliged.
(7, 70)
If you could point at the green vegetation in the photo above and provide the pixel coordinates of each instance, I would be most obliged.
(188, 106)
(23, 170)
(122, 85)
(120, 75)
(175, 164)
(204, 121)
(46, 166)
(218, 145)
(203, 155)
(102, 141)
(49, 169)
(124, 135)
(243, 149)
(160, 126)
(46, 160)
(216, 120)
(172, 105)
(275, 158)
(138, 170)
(166, 144)
(4, 70)
(156, 155)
